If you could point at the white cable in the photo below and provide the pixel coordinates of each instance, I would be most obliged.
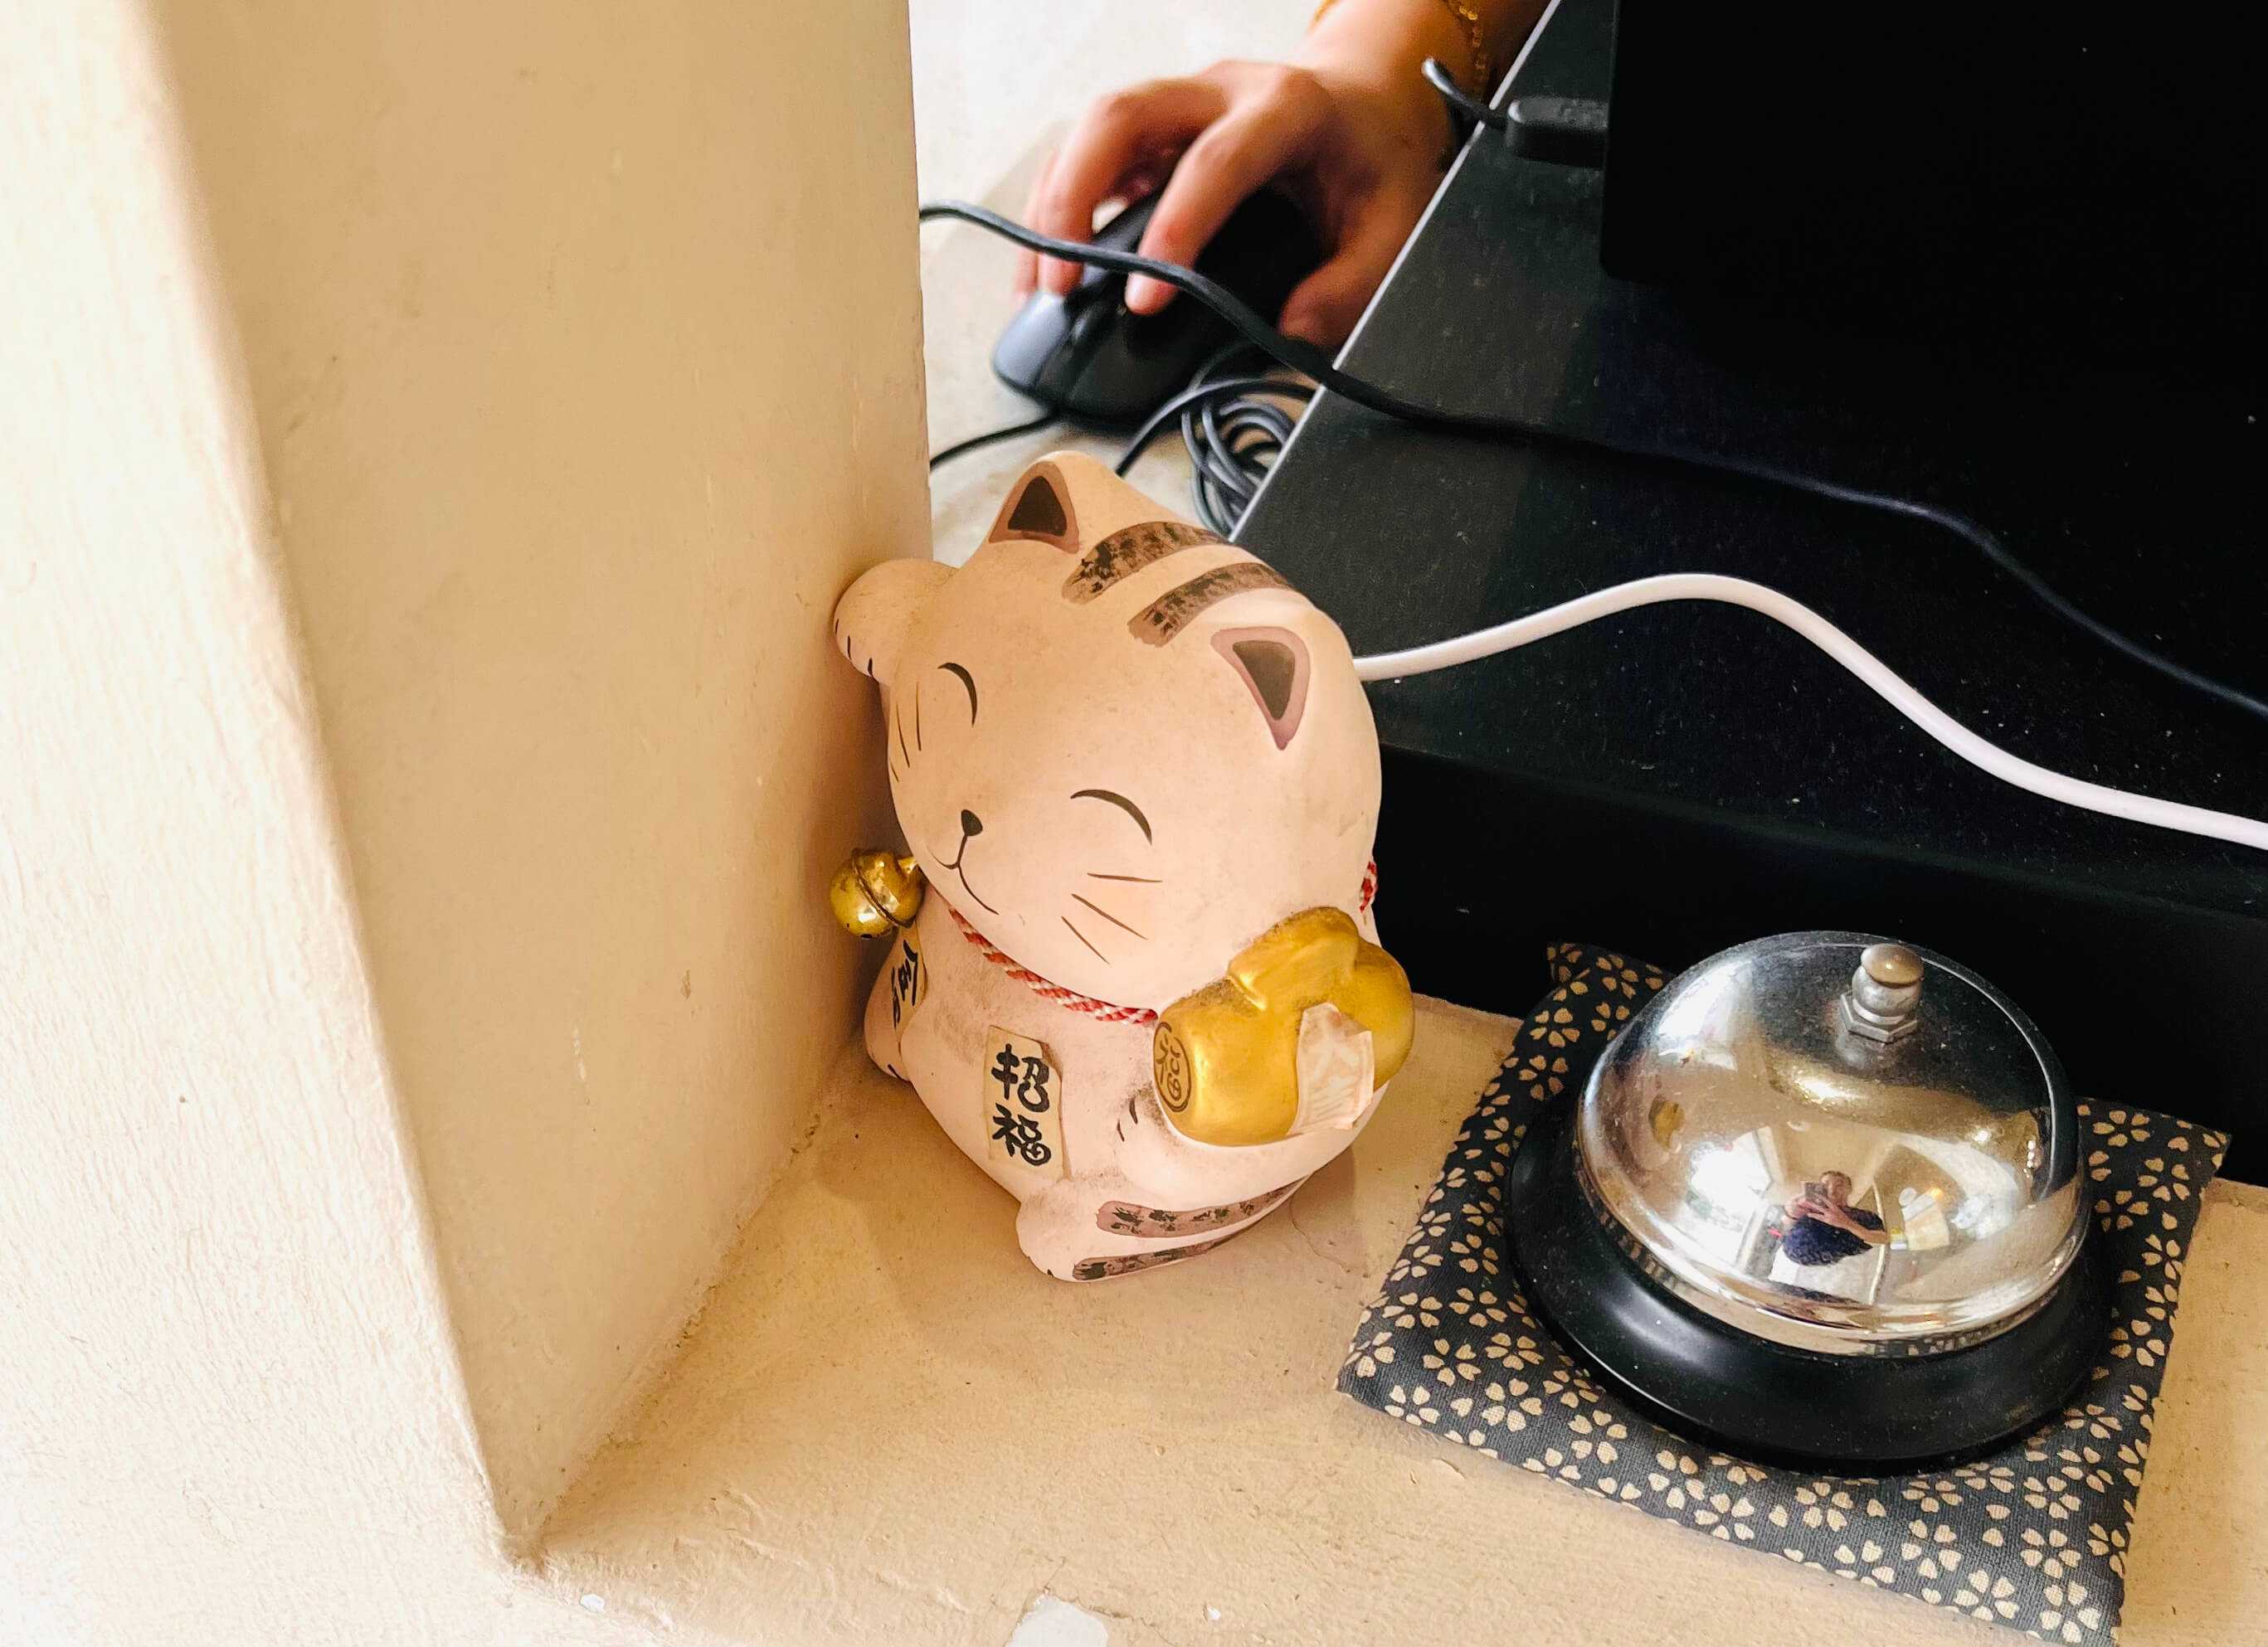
(1646, 591)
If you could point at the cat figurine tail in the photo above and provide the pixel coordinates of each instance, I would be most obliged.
(1133, 969)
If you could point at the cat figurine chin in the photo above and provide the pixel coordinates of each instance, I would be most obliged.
(1132, 967)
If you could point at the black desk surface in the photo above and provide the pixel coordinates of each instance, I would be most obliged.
(1726, 779)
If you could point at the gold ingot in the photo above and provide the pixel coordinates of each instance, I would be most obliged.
(874, 893)
(1225, 1059)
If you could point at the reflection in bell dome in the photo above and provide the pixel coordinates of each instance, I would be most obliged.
(1753, 1148)
(1922, 1212)
(1724, 1188)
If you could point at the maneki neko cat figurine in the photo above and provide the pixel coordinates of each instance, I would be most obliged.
(1133, 972)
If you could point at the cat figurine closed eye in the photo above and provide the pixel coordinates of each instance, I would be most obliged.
(1138, 775)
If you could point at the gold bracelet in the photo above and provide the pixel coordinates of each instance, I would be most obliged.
(1476, 34)
(1476, 42)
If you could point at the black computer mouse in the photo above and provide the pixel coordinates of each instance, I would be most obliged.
(1088, 356)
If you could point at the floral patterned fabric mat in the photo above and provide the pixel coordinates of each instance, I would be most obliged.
(2034, 1537)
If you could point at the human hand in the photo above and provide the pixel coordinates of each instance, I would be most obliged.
(1355, 143)
(1840, 1217)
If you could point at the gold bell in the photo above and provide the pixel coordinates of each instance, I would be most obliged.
(1225, 1059)
(875, 893)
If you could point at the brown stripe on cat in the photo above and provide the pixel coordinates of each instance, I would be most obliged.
(1172, 611)
(1124, 554)
(1133, 1263)
(1123, 1218)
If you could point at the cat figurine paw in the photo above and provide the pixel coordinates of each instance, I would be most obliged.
(1138, 781)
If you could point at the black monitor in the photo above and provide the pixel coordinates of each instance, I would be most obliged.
(2029, 176)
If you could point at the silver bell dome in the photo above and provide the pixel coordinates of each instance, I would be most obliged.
(1840, 1144)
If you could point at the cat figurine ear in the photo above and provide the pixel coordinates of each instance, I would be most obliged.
(1274, 666)
(871, 619)
(1040, 509)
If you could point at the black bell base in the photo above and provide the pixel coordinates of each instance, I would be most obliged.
(1842, 1415)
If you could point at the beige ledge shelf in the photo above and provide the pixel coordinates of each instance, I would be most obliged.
(886, 1429)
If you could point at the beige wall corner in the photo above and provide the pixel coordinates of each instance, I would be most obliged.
(583, 349)
(432, 439)
(231, 1412)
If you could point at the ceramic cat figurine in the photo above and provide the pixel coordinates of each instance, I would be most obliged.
(1141, 782)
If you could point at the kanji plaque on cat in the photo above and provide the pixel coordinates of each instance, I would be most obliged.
(1022, 1096)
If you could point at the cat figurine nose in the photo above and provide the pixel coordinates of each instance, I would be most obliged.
(970, 823)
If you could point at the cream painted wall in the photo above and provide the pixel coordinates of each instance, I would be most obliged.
(432, 439)
(230, 1413)
(583, 347)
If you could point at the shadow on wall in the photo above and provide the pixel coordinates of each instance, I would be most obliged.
(572, 437)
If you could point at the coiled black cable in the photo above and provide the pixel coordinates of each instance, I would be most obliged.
(1234, 425)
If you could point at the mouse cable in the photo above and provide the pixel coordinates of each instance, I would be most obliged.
(1030, 426)
(1233, 425)
(1501, 637)
(1876, 675)
(1561, 130)
(1311, 362)
(1234, 428)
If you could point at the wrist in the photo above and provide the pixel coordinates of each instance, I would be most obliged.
(1377, 49)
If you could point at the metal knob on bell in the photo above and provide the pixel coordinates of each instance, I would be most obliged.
(1821, 1202)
